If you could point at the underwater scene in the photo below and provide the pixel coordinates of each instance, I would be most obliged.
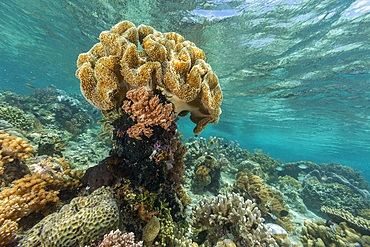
(210, 123)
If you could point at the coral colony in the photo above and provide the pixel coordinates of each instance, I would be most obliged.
(148, 190)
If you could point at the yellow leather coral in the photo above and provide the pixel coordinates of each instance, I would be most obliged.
(167, 62)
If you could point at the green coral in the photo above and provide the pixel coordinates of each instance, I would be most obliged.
(288, 181)
(268, 164)
(167, 226)
(16, 117)
(84, 220)
(350, 173)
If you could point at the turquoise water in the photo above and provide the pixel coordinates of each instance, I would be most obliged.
(295, 74)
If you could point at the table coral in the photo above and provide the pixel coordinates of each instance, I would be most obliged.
(231, 214)
(84, 220)
(168, 62)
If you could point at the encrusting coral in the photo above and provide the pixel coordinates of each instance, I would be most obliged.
(168, 62)
(231, 214)
(84, 220)
(147, 110)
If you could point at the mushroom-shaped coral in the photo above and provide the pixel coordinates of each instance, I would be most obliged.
(167, 62)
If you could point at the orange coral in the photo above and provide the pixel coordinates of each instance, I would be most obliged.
(29, 194)
(143, 213)
(168, 61)
(13, 147)
(147, 110)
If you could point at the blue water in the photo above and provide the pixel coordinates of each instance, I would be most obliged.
(316, 52)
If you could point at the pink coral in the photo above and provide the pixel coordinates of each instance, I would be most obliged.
(147, 110)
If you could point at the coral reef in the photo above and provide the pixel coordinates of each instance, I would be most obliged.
(317, 233)
(29, 194)
(50, 107)
(351, 174)
(151, 230)
(224, 215)
(13, 150)
(117, 239)
(167, 62)
(340, 215)
(50, 144)
(316, 194)
(84, 220)
(147, 172)
(145, 109)
(207, 175)
(270, 201)
(16, 117)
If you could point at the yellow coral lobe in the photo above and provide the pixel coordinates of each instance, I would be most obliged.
(167, 60)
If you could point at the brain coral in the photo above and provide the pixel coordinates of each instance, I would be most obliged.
(84, 220)
(167, 62)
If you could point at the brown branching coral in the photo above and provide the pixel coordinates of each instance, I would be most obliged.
(147, 110)
(202, 173)
(268, 200)
(175, 163)
(29, 194)
(168, 62)
(13, 148)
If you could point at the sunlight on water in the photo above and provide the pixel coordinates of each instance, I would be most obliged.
(295, 74)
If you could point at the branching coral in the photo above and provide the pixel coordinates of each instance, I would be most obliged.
(268, 200)
(13, 148)
(147, 111)
(118, 239)
(231, 214)
(168, 61)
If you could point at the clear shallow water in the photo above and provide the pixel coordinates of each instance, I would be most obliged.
(295, 74)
